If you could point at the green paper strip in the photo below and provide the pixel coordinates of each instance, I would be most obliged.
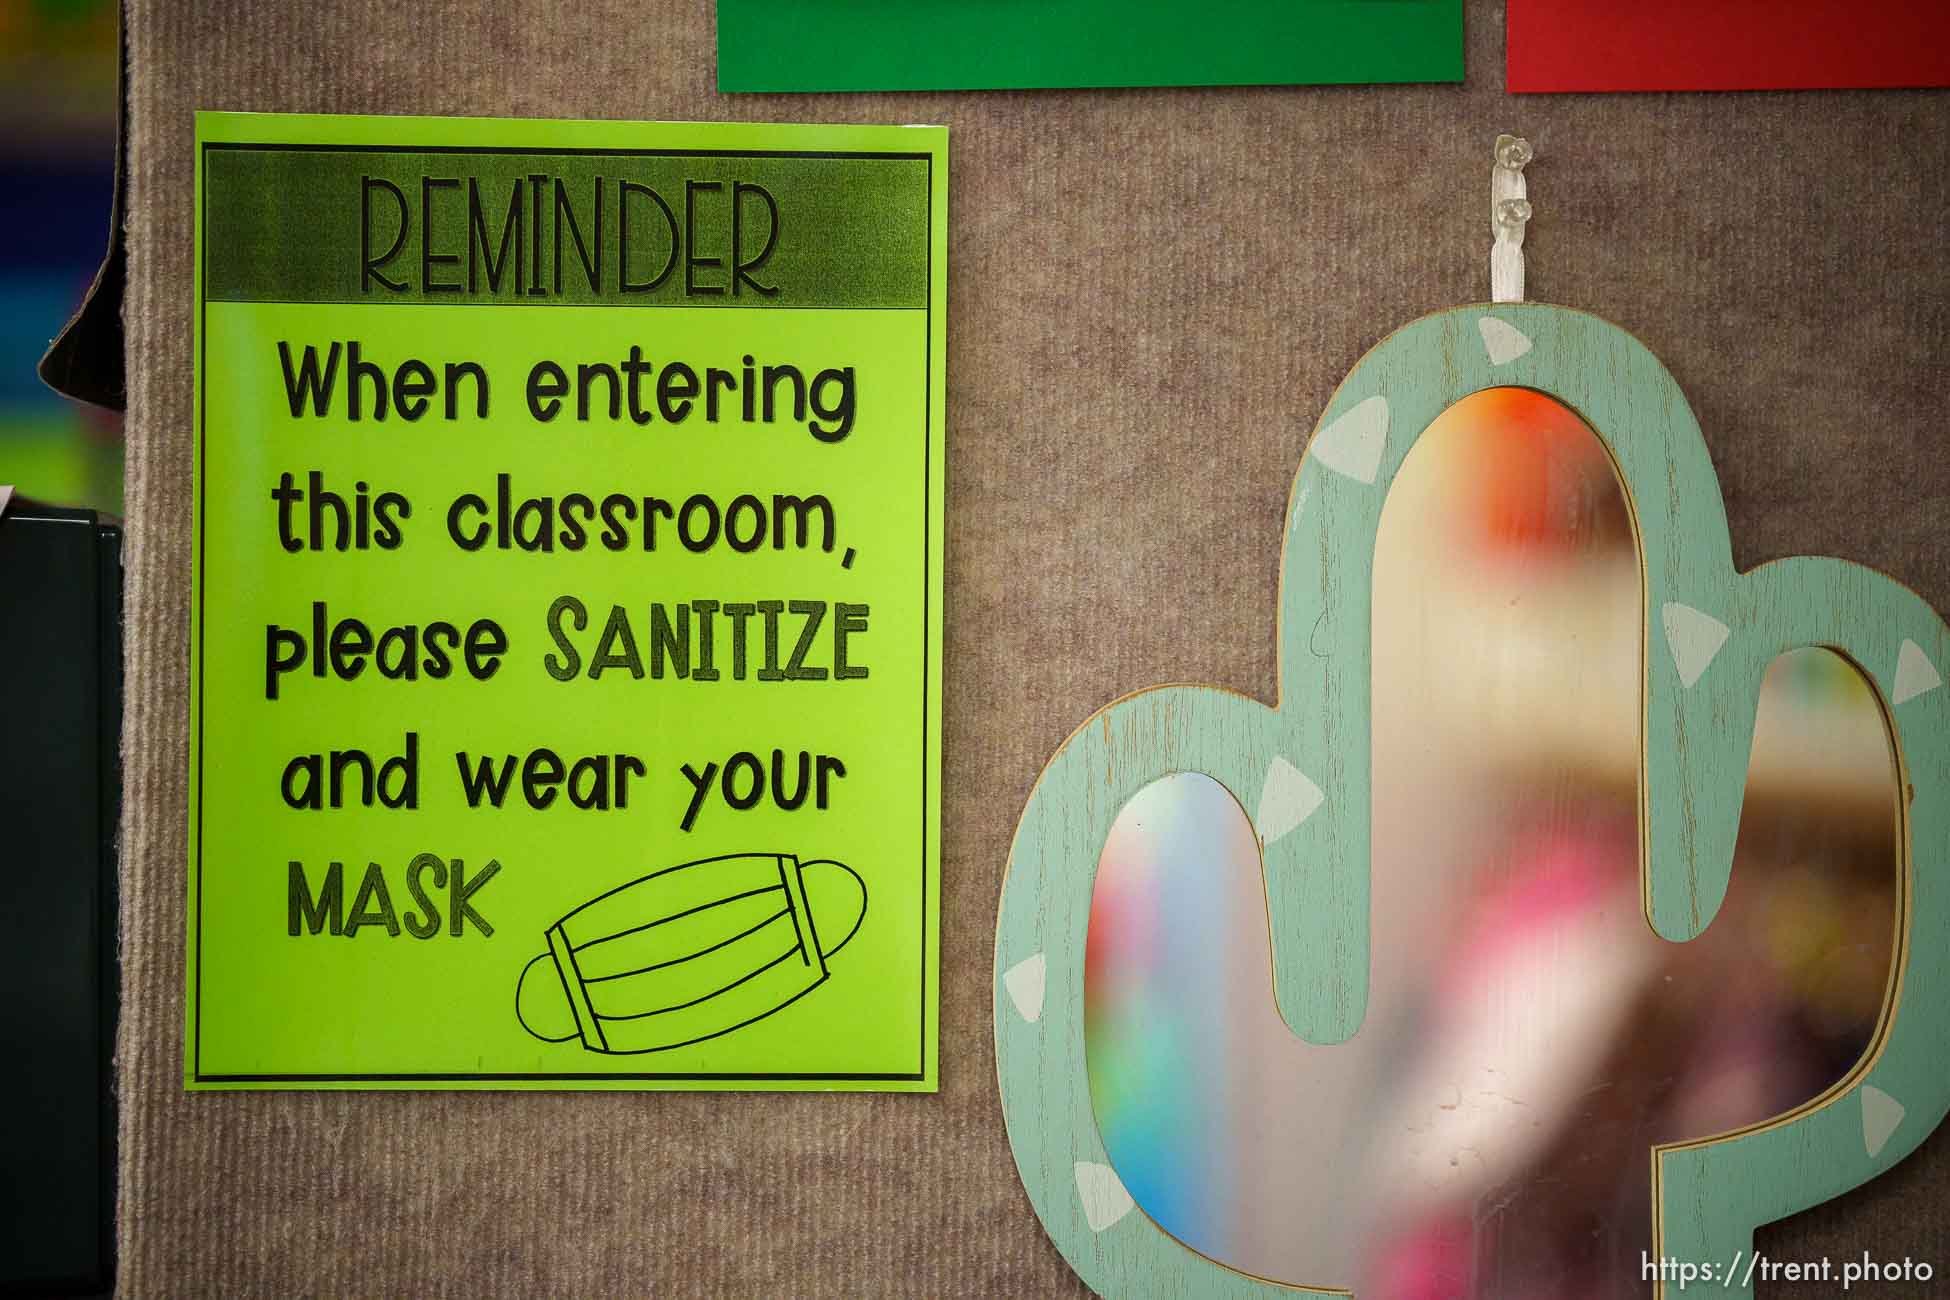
(769, 45)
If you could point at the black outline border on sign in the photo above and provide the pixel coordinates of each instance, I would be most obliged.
(927, 525)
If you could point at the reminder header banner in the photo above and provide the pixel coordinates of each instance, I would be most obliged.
(567, 617)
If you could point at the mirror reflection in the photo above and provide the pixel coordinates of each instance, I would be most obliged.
(1529, 1039)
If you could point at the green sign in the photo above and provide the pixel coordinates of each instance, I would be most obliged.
(567, 619)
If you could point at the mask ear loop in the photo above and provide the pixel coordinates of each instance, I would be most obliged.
(1509, 214)
(543, 1007)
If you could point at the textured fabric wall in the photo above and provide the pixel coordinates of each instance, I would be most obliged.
(1152, 296)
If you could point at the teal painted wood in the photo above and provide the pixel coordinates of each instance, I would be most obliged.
(1302, 770)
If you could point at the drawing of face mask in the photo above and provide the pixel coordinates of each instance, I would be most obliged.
(690, 952)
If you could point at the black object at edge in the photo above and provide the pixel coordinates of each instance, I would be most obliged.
(85, 360)
(103, 733)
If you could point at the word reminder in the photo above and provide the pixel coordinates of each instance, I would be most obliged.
(567, 627)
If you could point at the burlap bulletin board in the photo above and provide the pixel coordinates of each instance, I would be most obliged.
(1152, 296)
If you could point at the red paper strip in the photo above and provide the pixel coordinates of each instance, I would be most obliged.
(1601, 45)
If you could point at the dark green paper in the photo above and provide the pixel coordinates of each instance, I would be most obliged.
(770, 45)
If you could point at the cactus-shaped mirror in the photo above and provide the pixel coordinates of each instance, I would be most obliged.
(1528, 1039)
(1569, 907)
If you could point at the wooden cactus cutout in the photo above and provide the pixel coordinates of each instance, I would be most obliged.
(1300, 775)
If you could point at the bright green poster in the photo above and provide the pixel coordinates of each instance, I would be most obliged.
(567, 616)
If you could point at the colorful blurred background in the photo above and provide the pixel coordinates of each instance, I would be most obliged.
(58, 90)
(1487, 1132)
